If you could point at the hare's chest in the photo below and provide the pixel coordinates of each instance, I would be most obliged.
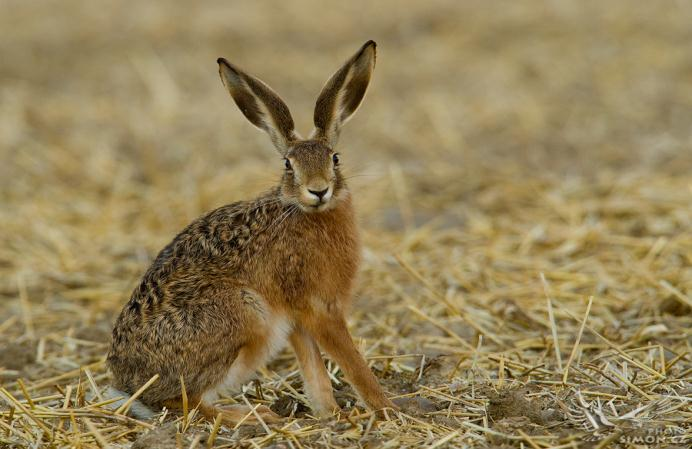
(320, 264)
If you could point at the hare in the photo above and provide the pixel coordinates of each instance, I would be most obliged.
(226, 294)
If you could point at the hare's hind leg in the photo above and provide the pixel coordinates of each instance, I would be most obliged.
(230, 415)
(249, 359)
(236, 413)
(316, 381)
(265, 333)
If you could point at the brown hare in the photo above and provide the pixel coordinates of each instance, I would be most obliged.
(225, 295)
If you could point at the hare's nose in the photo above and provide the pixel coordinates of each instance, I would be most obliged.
(319, 193)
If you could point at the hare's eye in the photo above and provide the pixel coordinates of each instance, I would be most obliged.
(335, 158)
(287, 163)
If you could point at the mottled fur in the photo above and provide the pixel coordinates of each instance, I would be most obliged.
(219, 300)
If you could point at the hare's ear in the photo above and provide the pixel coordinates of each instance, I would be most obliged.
(342, 94)
(260, 104)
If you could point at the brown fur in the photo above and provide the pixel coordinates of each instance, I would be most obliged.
(230, 414)
(219, 299)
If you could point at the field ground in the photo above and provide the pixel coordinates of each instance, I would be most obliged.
(522, 171)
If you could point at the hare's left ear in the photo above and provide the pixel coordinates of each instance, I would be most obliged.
(342, 94)
(260, 104)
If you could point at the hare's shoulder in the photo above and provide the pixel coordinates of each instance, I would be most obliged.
(214, 241)
(217, 235)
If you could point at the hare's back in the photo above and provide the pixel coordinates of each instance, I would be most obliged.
(207, 253)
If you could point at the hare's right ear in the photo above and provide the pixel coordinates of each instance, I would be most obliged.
(342, 94)
(260, 104)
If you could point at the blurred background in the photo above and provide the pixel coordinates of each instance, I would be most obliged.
(498, 139)
(115, 130)
(97, 97)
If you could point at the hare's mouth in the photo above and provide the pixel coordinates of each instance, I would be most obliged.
(313, 208)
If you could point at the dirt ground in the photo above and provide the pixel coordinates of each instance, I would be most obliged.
(523, 178)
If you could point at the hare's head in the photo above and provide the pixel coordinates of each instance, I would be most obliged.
(312, 178)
